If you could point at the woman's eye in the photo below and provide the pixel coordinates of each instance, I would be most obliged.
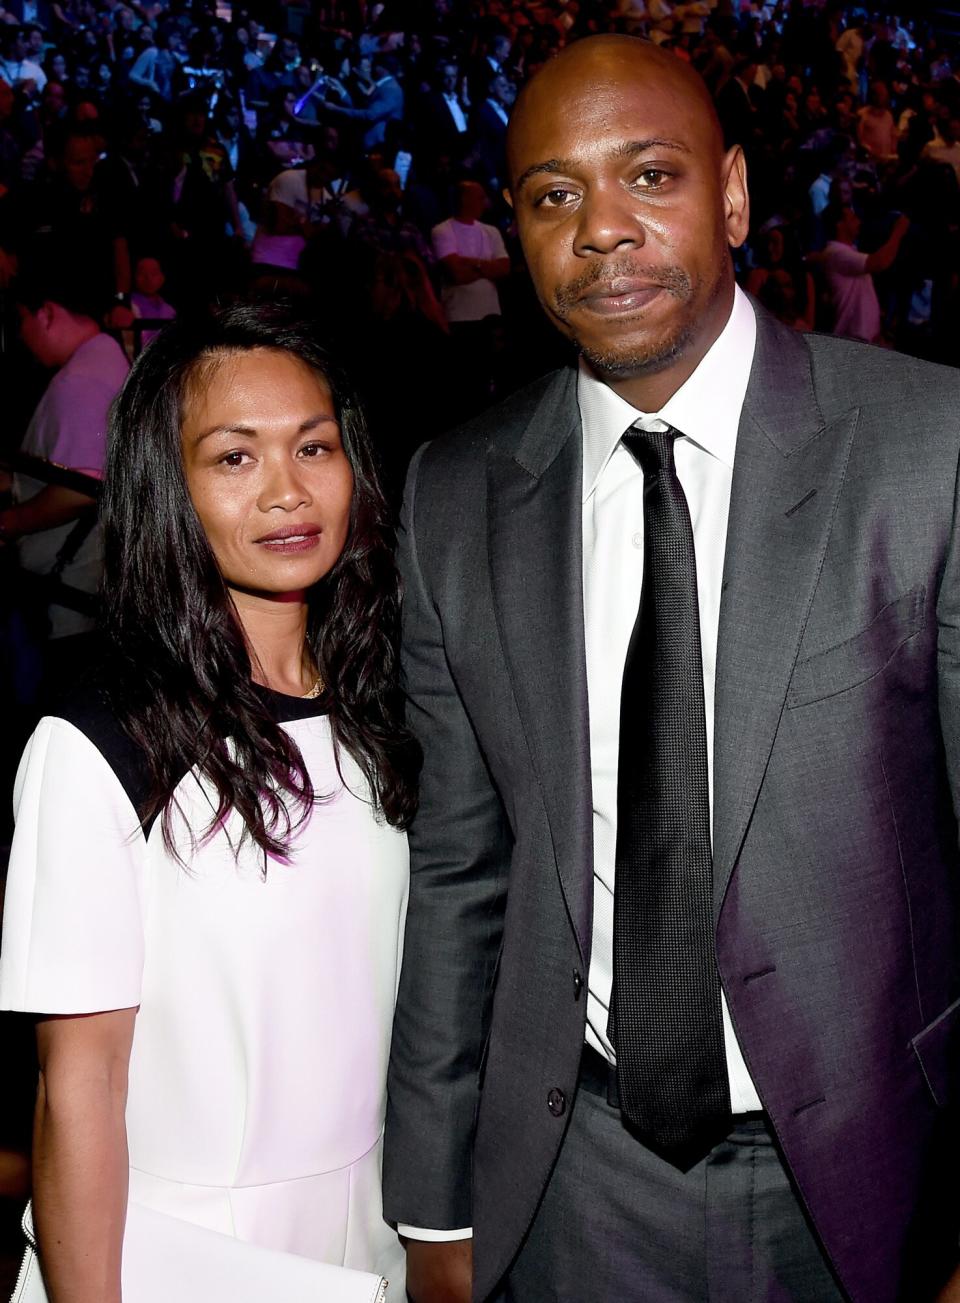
(233, 459)
(311, 450)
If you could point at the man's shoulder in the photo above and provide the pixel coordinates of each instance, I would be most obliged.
(848, 373)
(464, 450)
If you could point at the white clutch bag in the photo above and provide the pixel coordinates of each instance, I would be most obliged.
(165, 1258)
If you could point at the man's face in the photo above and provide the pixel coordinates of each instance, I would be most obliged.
(449, 78)
(626, 207)
(36, 333)
(35, 41)
(501, 91)
(79, 161)
(54, 98)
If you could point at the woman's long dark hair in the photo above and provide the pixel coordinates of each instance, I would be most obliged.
(183, 684)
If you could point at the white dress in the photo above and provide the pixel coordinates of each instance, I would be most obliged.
(257, 1076)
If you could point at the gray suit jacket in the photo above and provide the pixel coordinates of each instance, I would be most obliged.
(837, 764)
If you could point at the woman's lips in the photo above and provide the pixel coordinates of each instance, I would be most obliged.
(620, 297)
(291, 538)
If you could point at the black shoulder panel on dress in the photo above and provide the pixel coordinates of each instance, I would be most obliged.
(87, 707)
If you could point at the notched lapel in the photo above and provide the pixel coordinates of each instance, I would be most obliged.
(787, 480)
(534, 542)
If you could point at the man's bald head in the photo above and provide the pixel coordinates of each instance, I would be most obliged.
(605, 61)
(627, 206)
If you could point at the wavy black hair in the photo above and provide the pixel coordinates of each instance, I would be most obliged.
(181, 670)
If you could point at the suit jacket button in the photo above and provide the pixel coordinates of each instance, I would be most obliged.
(577, 984)
(557, 1102)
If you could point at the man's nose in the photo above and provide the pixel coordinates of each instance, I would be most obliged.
(608, 220)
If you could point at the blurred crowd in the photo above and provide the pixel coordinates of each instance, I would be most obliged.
(159, 154)
(176, 151)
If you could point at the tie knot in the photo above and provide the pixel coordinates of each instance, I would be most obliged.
(653, 449)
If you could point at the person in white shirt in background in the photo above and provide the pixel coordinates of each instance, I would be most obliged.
(16, 66)
(69, 428)
(946, 148)
(848, 272)
(472, 257)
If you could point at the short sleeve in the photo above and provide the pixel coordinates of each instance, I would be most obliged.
(496, 246)
(288, 188)
(77, 415)
(73, 922)
(845, 260)
(444, 240)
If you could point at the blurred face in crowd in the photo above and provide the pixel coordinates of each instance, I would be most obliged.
(289, 53)
(81, 78)
(195, 122)
(627, 205)
(79, 161)
(848, 227)
(774, 245)
(388, 190)
(48, 333)
(473, 202)
(35, 42)
(149, 277)
(58, 66)
(502, 91)
(266, 471)
(54, 99)
(449, 74)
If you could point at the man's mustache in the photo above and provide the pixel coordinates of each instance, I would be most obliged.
(673, 279)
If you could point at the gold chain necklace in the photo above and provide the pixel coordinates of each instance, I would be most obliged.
(315, 690)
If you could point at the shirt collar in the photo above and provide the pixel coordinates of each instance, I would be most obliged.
(706, 408)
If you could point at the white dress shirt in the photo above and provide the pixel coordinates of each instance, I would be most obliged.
(706, 410)
(456, 112)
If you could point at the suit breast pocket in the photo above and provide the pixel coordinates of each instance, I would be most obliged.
(862, 657)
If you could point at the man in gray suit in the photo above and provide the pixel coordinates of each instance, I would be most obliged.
(679, 1006)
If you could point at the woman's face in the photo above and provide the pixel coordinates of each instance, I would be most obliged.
(775, 245)
(267, 472)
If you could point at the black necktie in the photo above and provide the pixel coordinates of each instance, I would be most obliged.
(665, 1019)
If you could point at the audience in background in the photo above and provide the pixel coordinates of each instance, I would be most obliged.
(354, 155)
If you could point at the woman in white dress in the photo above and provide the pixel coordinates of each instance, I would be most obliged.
(208, 881)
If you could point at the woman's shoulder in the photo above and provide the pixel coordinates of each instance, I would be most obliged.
(90, 705)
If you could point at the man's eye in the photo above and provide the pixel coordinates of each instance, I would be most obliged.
(651, 178)
(557, 198)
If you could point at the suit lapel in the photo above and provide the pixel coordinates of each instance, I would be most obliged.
(787, 478)
(535, 548)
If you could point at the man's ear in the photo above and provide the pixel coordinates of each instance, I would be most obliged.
(736, 207)
(46, 314)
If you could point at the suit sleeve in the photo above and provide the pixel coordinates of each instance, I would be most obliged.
(460, 850)
(948, 654)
